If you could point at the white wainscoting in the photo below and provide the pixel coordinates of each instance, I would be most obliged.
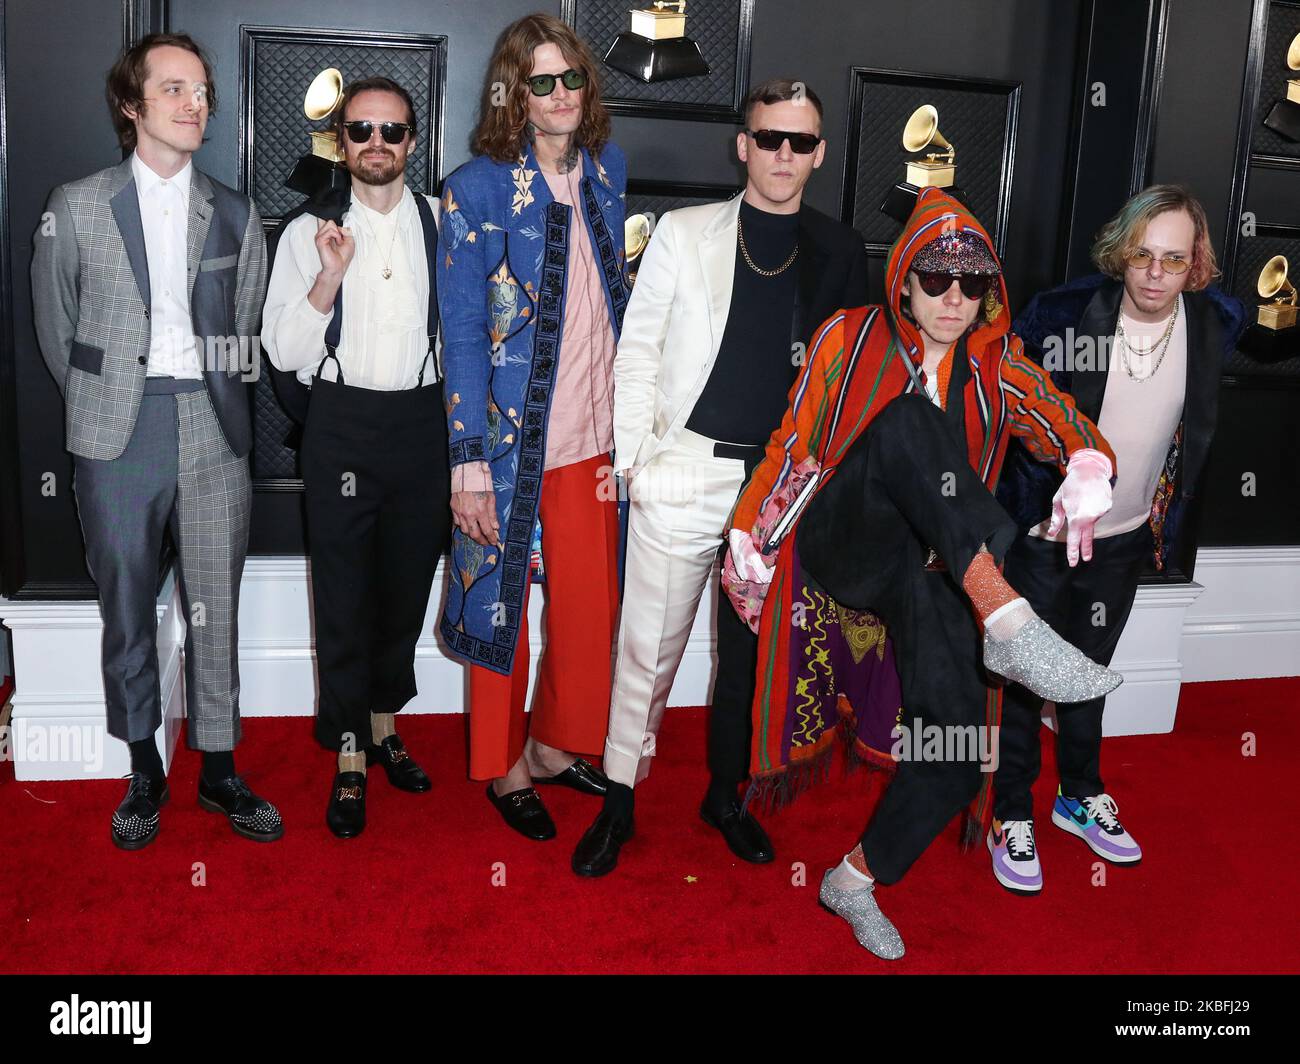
(1247, 623)
(58, 724)
(1240, 619)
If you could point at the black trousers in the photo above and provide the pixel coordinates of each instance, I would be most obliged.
(731, 726)
(1089, 606)
(904, 486)
(374, 466)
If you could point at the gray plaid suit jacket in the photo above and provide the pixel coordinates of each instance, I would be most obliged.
(90, 289)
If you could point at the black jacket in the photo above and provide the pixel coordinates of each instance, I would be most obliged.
(1090, 307)
(832, 271)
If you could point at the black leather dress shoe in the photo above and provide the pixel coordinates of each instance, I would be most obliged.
(745, 835)
(401, 769)
(597, 851)
(524, 811)
(582, 776)
(346, 813)
(135, 821)
(250, 816)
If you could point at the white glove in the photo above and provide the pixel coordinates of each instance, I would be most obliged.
(1082, 499)
(749, 563)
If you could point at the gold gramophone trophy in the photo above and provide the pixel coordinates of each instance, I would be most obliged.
(937, 170)
(1273, 335)
(1273, 285)
(321, 170)
(656, 48)
(1284, 116)
(636, 235)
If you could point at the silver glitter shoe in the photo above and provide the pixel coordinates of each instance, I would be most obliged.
(1042, 661)
(870, 926)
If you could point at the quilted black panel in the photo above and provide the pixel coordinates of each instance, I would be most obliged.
(271, 459)
(974, 118)
(659, 205)
(1283, 25)
(281, 70)
(716, 26)
(1252, 253)
(279, 65)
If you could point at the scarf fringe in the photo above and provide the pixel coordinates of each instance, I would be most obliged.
(774, 791)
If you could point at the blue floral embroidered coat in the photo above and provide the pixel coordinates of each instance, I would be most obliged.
(502, 278)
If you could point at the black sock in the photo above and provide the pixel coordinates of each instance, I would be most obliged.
(217, 765)
(618, 800)
(145, 758)
(721, 795)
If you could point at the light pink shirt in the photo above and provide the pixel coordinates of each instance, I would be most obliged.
(581, 424)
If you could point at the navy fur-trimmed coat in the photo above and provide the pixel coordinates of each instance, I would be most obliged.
(1089, 306)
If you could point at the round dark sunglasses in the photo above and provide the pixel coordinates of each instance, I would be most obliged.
(544, 84)
(973, 285)
(770, 140)
(392, 132)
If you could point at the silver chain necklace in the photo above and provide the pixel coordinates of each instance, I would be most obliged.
(1162, 345)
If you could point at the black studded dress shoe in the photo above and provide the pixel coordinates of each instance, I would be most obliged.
(401, 769)
(250, 816)
(346, 813)
(524, 811)
(745, 835)
(582, 776)
(597, 851)
(135, 821)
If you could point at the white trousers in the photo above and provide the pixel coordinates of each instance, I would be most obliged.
(678, 509)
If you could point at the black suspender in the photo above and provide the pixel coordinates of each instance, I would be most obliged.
(430, 229)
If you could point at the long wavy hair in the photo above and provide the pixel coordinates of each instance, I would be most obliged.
(1123, 233)
(504, 118)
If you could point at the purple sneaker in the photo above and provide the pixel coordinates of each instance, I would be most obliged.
(1095, 820)
(1015, 857)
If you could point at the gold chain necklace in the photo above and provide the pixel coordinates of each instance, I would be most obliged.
(740, 232)
(1162, 344)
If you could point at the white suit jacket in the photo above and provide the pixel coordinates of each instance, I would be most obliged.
(672, 327)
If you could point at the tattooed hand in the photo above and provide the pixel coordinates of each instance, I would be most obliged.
(475, 514)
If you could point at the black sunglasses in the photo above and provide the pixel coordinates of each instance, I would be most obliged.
(544, 84)
(392, 132)
(973, 285)
(770, 140)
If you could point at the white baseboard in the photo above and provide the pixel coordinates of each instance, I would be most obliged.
(1240, 619)
(58, 729)
(277, 657)
(1247, 624)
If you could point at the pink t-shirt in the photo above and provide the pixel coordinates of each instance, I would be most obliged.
(581, 425)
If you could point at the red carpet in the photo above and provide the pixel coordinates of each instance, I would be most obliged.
(1215, 892)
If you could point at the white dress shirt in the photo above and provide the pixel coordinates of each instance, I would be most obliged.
(384, 341)
(164, 216)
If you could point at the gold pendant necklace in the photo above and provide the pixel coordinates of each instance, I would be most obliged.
(387, 271)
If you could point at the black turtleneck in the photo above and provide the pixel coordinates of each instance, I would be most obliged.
(745, 396)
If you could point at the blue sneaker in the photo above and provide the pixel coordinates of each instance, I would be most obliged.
(1095, 820)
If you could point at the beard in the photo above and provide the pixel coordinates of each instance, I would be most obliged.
(377, 169)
